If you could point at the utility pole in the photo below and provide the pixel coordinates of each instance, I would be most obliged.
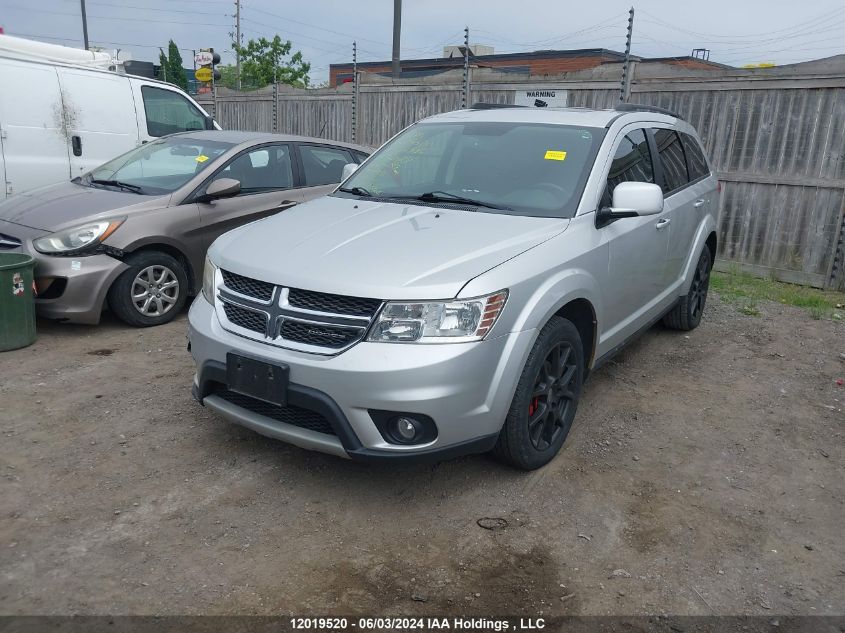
(465, 94)
(397, 30)
(625, 91)
(238, 40)
(84, 24)
(354, 90)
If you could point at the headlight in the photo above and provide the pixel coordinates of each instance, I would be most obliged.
(457, 321)
(209, 274)
(77, 238)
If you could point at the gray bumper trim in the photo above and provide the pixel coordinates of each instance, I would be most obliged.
(275, 429)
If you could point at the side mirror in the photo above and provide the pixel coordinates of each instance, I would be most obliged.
(631, 200)
(221, 188)
(348, 170)
(209, 122)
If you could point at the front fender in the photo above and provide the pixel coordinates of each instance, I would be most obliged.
(543, 280)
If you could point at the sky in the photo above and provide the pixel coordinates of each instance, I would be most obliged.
(737, 32)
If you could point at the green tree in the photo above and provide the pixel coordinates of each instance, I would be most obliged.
(171, 69)
(175, 70)
(228, 77)
(262, 59)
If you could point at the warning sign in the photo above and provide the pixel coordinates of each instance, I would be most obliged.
(541, 98)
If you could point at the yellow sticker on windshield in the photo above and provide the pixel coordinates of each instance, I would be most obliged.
(201, 158)
(554, 155)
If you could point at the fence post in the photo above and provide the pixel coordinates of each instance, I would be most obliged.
(625, 90)
(465, 95)
(275, 103)
(354, 91)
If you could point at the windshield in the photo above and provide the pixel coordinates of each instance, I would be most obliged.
(523, 168)
(159, 167)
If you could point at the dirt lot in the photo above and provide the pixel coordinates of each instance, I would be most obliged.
(706, 471)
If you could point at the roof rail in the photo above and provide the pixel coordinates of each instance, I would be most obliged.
(637, 107)
(494, 106)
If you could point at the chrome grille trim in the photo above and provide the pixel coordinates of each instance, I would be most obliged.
(278, 310)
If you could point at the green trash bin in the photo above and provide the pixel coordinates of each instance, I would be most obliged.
(17, 301)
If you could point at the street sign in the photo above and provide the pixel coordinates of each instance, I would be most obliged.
(203, 74)
(541, 98)
(204, 58)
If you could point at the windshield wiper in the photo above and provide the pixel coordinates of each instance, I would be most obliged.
(116, 183)
(445, 196)
(357, 191)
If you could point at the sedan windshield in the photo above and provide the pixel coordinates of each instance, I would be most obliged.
(518, 168)
(157, 168)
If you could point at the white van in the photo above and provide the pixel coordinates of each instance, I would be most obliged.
(64, 111)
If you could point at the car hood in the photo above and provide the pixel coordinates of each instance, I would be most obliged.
(67, 204)
(377, 249)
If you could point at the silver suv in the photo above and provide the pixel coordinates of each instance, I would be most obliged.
(452, 295)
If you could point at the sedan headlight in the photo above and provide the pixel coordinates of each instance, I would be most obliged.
(458, 321)
(209, 275)
(76, 239)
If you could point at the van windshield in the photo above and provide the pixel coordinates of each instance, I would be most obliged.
(159, 167)
(516, 168)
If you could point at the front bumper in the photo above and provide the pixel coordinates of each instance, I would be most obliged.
(70, 288)
(466, 388)
(85, 281)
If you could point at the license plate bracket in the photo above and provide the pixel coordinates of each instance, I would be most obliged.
(258, 379)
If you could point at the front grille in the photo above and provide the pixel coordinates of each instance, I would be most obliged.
(247, 319)
(7, 241)
(319, 335)
(336, 304)
(261, 290)
(304, 320)
(293, 415)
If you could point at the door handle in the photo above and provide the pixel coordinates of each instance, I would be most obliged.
(663, 222)
(76, 144)
(286, 204)
(699, 203)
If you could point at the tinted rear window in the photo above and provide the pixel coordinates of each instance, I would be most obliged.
(672, 158)
(696, 163)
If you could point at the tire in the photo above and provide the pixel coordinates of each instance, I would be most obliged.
(687, 314)
(529, 438)
(157, 303)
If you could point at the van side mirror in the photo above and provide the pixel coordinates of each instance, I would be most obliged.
(631, 200)
(220, 188)
(348, 170)
(209, 122)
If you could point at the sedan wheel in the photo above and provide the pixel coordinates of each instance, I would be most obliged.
(155, 291)
(151, 291)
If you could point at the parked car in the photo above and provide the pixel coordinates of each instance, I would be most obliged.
(134, 231)
(64, 111)
(453, 294)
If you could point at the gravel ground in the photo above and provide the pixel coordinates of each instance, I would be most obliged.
(703, 476)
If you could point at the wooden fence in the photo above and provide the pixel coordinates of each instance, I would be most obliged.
(776, 138)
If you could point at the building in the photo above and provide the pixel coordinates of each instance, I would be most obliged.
(531, 63)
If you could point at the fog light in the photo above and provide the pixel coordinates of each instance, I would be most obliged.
(402, 427)
(406, 428)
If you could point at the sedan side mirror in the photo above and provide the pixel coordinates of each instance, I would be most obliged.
(348, 170)
(221, 188)
(631, 200)
(209, 122)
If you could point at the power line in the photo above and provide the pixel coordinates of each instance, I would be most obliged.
(127, 6)
(101, 17)
(819, 19)
(95, 42)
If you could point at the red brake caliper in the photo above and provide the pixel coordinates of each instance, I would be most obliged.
(532, 407)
